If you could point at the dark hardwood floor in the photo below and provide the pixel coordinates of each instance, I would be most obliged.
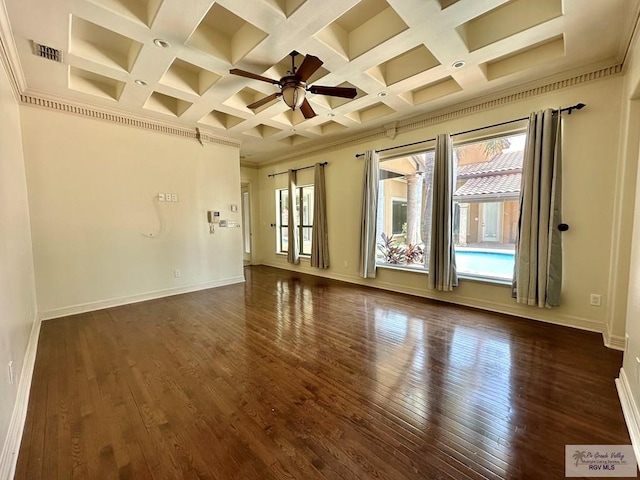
(296, 377)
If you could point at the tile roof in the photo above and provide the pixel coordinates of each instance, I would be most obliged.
(502, 162)
(490, 185)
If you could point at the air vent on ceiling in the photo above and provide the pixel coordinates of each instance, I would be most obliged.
(49, 53)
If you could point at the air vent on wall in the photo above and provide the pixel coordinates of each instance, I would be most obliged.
(49, 53)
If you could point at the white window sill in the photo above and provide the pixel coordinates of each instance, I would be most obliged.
(301, 256)
(462, 276)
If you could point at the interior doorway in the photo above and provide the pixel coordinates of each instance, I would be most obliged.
(246, 223)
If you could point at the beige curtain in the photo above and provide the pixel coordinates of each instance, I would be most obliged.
(442, 258)
(320, 236)
(369, 215)
(537, 275)
(293, 248)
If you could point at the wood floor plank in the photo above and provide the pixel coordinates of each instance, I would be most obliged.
(291, 376)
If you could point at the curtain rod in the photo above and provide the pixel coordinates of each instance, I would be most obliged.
(296, 169)
(577, 106)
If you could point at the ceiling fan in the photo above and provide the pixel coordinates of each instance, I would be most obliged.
(293, 87)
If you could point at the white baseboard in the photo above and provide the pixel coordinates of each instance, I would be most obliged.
(495, 307)
(115, 302)
(630, 411)
(9, 454)
(614, 342)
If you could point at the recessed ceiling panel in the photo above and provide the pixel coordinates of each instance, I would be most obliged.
(371, 113)
(261, 131)
(525, 59)
(413, 62)
(158, 102)
(221, 120)
(97, 44)
(287, 7)
(225, 35)
(447, 3)
(367, 25)
(513, 17)
(143, 11)
(331, 127)
(93, 84)
(189, 78)
(432, 91)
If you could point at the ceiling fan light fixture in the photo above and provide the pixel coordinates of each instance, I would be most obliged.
(293, 87)
(293, 95)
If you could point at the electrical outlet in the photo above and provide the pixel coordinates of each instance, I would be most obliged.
(161, 197)
(168, 197)
(595, 299)
(12, 377)
(176, 273)
(174, 197)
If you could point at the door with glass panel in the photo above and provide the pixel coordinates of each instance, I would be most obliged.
(491, 221)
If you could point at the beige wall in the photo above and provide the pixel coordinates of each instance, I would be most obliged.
(17, 288)
(591, 139)
(91, 192)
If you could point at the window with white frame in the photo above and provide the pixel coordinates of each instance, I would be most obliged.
(486, 208)
(304, 219)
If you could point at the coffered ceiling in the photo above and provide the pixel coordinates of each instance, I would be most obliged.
(169, 60)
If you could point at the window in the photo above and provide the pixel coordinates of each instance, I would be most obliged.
(486, 207)
(403, 223)
(303, 214)
(486, 204)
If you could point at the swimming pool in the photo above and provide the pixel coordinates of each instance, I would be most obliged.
(485, 263)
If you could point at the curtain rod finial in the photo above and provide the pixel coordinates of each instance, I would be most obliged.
(577, 106)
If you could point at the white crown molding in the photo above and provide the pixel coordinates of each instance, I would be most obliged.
(457, 111)
(628, 45)
(9, 53)
(84, 110)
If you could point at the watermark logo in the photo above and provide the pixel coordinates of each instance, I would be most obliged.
(600, 461)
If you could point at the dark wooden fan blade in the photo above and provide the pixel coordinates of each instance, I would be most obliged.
(344, 92)
(264, 101)
(309, 65)
(306, 109)
(243, 73)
